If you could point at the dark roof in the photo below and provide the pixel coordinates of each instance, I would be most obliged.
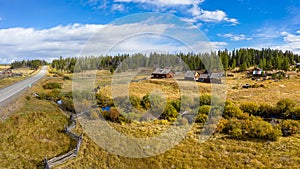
(162, 71)
(216, 75)
(204, 76)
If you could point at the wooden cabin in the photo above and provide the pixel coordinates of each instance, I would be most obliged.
(159, 73)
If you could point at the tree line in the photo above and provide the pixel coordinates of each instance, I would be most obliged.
(32, 64)
(267, 59)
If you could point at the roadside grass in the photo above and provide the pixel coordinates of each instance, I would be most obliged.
(32, 133)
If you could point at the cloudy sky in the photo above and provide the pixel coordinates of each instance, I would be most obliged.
(47, 29)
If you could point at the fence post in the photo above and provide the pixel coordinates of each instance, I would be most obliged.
(46, 165)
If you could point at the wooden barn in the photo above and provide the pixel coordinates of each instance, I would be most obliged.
(162, 73)
(215, 77)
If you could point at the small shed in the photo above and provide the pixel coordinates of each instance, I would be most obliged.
(298, 65)
(257, 72)
(159, 73)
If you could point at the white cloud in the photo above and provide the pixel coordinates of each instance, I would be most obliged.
(298, 31)
(118, 7)
(213, 16)
(16, 43)
(164, 2)
(234, 37)
(1, 19)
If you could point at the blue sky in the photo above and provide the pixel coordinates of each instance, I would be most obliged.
(47, 29)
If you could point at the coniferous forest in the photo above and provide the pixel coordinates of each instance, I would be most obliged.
(267, 59)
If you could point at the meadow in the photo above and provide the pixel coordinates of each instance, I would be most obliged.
(35, 131)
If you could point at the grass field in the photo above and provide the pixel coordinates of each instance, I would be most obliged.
(34, 132)
(11, 80)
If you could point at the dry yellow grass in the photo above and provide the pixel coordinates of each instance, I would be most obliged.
(271, 93)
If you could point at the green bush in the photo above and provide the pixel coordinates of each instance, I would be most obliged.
(135, 102)
(205, 99)
(285, 107)
(253, 127)
(169, 113)
(52, 85)
(53, 95)
(265, 110)
(250, 108)
(176, 104)
(41, 96)
(103, 100)
(296, 112)
(146, 101)
(232, 111)
(205, 109)
(201, 118)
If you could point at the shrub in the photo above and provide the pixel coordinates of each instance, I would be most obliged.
(169, 113)
(253, 127)
(201, 118)
(146, 101)
(53, 95)
(52, 85)
(67, 104)
(205, 99)
(250, 108)
(290, 127)
(232, 111)
(66, 78)
(204, 109)
(285, 107)
(103, 100)
(176, 104)
(41, 96)
(135, 102)
(265, 110)
(296, 112)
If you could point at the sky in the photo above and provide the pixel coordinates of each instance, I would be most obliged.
(47, 29)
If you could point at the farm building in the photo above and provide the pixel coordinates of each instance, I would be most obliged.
(298, 65)
(257, 72)
(7, 73)
(204, 78)
(215, 77)
(162, 73)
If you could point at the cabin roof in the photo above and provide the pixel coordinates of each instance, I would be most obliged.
(162, 71)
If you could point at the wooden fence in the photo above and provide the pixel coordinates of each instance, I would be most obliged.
(71, 154)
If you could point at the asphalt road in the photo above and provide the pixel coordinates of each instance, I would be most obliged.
(18, 87)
